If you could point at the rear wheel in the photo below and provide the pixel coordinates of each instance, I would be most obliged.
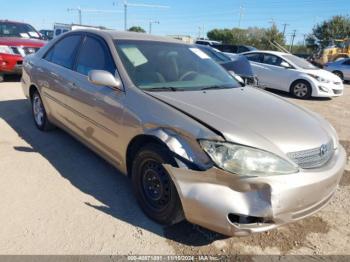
(340, 74)
(39, 113)
(153, 186)
(301, 89)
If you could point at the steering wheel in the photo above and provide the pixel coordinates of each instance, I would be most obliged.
(187, 74)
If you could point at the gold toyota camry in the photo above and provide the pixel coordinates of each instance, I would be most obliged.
(196, 144)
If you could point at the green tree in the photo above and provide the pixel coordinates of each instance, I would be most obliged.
(138, 29)
(254, 36)
(323, 34)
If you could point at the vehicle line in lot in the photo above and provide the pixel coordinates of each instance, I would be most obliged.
(74, 202)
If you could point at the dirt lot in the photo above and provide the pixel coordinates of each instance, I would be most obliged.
(57, 197)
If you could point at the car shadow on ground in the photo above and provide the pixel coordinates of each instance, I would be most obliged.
(93, 176)
(12, 78)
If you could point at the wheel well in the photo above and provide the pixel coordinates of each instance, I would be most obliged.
(136, 144)
(338, 71)
(299, 80)
(32, 89)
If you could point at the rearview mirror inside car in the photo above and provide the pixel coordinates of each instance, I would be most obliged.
(104, 78)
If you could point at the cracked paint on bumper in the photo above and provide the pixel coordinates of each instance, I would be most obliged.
(208, 197)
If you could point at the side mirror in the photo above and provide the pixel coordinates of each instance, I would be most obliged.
(285, 65)
(104, 78)
(237, 77)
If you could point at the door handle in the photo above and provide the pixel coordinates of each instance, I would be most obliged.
(72, 85)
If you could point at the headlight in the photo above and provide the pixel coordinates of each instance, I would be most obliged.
(246, 161)
(4, 49)
(319, 79)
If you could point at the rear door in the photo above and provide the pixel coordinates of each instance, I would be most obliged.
(98, 109)
(56, 75)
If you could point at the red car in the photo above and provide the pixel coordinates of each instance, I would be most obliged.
(16, 41)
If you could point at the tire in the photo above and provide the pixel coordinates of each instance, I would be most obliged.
(301, 89)
(340, 74)
(1, 78)
(153, 186)
(39, 113)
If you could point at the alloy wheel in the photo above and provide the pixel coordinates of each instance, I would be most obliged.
(300, 90)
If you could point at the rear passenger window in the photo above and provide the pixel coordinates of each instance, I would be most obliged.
(94, 55)
(63, 53)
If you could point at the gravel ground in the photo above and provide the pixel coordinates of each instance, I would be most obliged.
(58, 197)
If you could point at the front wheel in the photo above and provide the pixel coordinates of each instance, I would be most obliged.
(153, 186)
(301, 89)
(39, 113)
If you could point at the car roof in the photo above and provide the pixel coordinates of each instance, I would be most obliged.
(267, 52)
(12, 22)
(123, 35)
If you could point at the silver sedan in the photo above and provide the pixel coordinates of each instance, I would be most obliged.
(341, 68)
(194, 142)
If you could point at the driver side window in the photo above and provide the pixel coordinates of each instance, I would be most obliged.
(272, 60)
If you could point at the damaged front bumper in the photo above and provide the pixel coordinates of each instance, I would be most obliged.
(238, 205)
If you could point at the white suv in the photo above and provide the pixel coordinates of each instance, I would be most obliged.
(286, 72)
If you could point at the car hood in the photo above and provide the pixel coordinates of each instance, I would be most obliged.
(324, 74)
(17, 41)
(253, 117)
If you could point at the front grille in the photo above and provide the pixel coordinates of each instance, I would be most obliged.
(313, 158)
(337, 91)
(23, 51)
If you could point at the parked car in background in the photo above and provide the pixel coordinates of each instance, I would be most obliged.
(234, 49)
(207, 42)
(16, 41)
(234, 62)
(47, 34)
(195, 143)
(286, 72)
(60, 28)
(340, 68)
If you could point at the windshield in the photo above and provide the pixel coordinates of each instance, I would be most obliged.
(18, 30)
(300, 62)
(171, 66)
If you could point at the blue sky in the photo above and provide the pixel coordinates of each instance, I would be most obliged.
(182, 17)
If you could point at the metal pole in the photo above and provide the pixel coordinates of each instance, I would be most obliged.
(150, 27)
(284, 28)
(125, 16)
(240, 16)
(293, 36)
(80, 16)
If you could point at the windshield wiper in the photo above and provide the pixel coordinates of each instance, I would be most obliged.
(214, 87)
(164, 88)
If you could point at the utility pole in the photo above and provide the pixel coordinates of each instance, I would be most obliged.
(126, 5)
(284, 28)
(292, 41)
(150, 25)
(81, 10)
(79, 13)
(241, 11)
